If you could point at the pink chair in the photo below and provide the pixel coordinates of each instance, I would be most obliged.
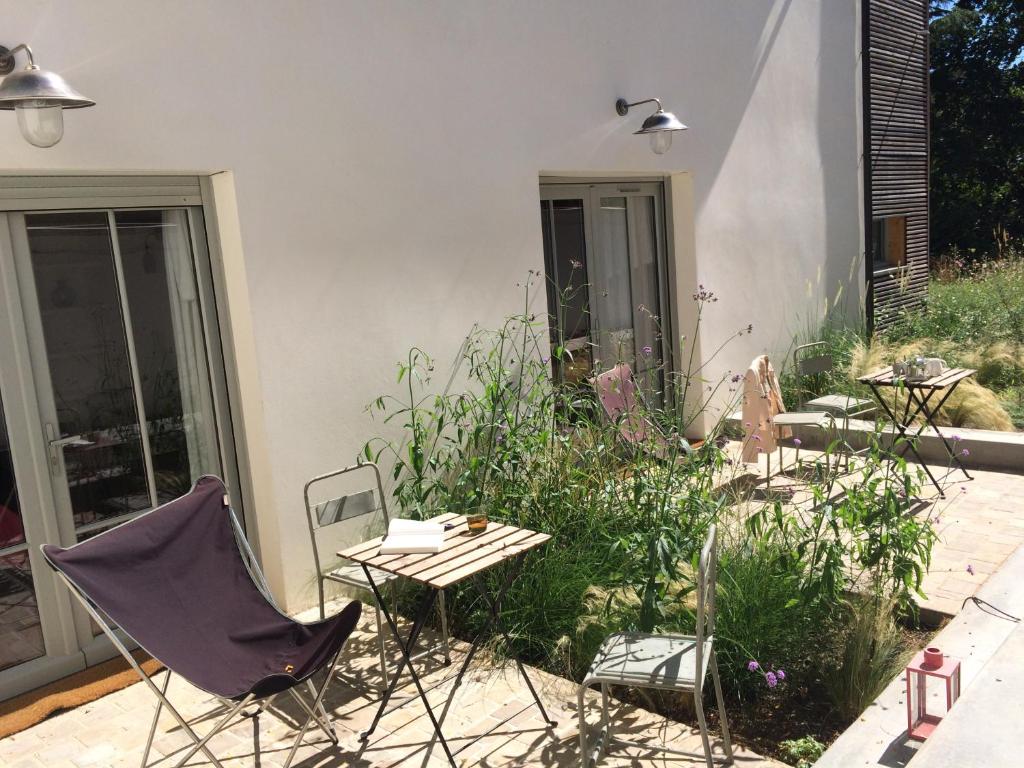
(617, 391)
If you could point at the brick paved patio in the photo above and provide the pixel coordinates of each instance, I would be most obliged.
(492, 716)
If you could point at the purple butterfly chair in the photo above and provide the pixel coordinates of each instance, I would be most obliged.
(182, 582)
(617, 391)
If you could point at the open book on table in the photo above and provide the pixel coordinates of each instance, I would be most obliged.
(411, 537)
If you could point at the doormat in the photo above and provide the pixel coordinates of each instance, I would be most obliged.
(33, 707)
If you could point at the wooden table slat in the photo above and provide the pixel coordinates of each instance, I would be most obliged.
(505, 553)
(463, 555)
(471, 555)
(372, 544)
(410, 564)
(885, 377)
(875, 376)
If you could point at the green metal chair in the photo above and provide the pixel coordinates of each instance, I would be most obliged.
(662, 662)
(355, 511)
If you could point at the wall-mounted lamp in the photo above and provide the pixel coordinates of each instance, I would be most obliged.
(38, 97)
(658, 126)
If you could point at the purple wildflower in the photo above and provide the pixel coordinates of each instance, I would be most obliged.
(970, 569)
(756, 437)
(647, 350)
(957, 438)
(965, 452)
(797, 442)
(576, 264)
(753, 666)
(781, 674)
(736, 377)
(772, 679)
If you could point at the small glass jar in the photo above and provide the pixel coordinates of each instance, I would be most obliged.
(477, 522)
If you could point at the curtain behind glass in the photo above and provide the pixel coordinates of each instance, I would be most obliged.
(170, 347)
(190, 347)
(610, 292)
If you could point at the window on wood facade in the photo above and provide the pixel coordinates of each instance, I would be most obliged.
(889, 242)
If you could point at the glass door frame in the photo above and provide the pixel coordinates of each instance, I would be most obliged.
(28, 399)
(590, 193)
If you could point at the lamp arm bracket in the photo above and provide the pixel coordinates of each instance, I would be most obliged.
(7, 58)
(622, 106)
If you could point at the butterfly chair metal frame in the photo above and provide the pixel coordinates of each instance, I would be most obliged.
(661, 662)
(352, 574)
(314, 709)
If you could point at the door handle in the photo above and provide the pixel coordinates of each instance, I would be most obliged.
(56, 445)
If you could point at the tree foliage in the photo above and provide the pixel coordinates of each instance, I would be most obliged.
(977, 126)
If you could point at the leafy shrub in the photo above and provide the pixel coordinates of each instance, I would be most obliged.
(802, 753)
(760, 616)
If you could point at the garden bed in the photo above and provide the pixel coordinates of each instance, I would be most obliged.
(627, 523)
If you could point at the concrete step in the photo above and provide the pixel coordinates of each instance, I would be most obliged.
(975, 636)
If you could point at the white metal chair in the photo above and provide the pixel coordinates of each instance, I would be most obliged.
(806, 366)
(348, 509)
(663, 662)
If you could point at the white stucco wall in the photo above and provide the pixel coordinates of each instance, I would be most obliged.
(386, 158)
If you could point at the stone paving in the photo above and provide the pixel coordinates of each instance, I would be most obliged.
(492, 720)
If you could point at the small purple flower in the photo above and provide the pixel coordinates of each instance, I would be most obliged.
(756, 437)
(965, 452)
(781, 674)
(957, 438)
(746, 424)
(736, 377)
(970, 569)
(797, 442)
(545, 360)
(753, 666)
(576, 264)
(772, 679)
(647, 350)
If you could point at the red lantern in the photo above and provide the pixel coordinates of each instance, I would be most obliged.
(929, 663)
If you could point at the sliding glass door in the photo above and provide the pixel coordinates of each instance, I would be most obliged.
(605, 261)
(119, 395)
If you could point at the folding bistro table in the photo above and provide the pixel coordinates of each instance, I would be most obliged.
(464, 556)
(919, 396)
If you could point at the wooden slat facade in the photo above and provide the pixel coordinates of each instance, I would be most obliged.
(896, 131)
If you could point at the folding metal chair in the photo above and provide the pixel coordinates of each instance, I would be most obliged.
(618, 392)
(807, 366)
(354, 513)
(181, 581)
(664, 662)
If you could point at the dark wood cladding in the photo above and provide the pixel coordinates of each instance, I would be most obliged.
(895, 89)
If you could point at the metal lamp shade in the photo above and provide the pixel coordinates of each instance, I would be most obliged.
(661, 121)
(39, 88)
